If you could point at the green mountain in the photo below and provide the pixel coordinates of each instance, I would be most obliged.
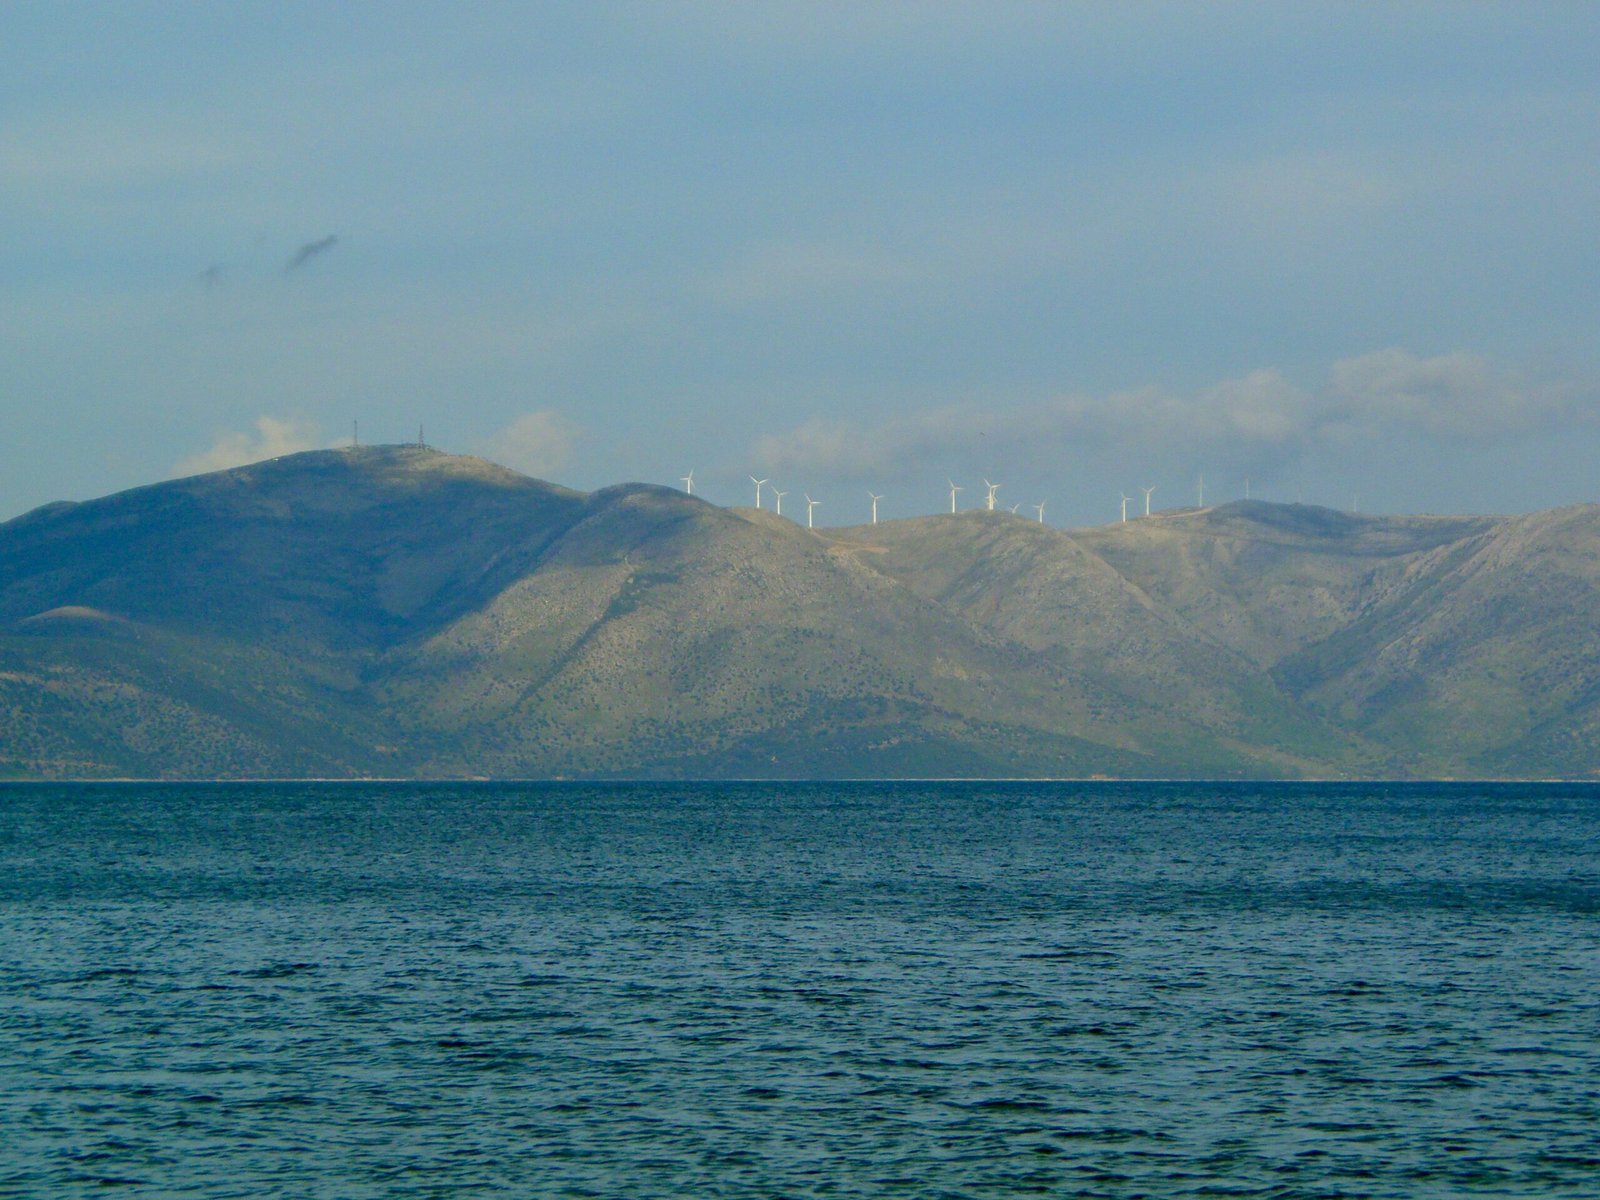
(396, 611)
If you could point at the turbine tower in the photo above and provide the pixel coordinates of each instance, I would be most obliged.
(1200, 492)
(758, 483)
(688, 481)
(1247, 487)
(953, 490)
(1147, 492)
(778, 496)
(1125, 499)
(875, 500)
(1039, 508)
(810, 504)
(993, 488)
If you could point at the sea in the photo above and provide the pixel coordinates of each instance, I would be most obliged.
(799, 990)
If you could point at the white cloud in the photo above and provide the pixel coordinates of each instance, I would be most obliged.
(1259, 417)
(1455, 395)
(1259, 410)
(1262, 407)
(271, 439)
(537, 443)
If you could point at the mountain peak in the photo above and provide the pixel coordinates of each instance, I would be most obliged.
(399, 610)
(404, 463)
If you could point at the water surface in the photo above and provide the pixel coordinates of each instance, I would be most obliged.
(946, 990)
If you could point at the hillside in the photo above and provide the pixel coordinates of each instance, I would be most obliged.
(396, 611)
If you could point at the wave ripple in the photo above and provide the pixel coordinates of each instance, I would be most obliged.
(799, 990)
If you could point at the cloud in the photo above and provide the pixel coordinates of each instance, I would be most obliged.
(536, 443)
(1258, 418)
(1261, 409)
(309, 251)
(234, 449)
(1454, 395)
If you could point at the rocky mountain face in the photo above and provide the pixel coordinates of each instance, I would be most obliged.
(396, 611)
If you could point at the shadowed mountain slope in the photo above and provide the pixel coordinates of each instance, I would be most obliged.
(399, 611)
(365, 544)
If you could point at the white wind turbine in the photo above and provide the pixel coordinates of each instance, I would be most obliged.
(953, 490)
(875, 500)
(1039, 508)
(778, 496)
(1200, 492)
(758, 483)
(1148, 491)
(993, 488)
(688, 482)
(810, 504)
(1125, 499)
(1016, 506)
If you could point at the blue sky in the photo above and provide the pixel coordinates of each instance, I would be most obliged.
(1348, 252)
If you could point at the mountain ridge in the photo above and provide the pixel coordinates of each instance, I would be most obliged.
(399, 611)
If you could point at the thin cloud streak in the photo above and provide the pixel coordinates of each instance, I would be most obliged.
(309, 251)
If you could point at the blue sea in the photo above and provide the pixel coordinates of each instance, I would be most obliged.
(798, 990)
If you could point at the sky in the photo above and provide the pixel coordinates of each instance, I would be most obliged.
(1346, 254)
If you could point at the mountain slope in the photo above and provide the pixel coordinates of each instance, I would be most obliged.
(1269, 579)
(1488, 655)
(398, 611)
(1140, 660)
(360, 546)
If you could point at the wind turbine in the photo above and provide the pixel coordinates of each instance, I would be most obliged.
(688, 481)
(1039, 508)
(953, 490)
(875, 500)
(1147, 492)
(993, 488)
(1200, 492)
(1247, 487)
(1016, 506)
(1125, 499)
(758, 483)
(810, 504)
(779, 497)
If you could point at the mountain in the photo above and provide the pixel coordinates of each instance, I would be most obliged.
(397, 611)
